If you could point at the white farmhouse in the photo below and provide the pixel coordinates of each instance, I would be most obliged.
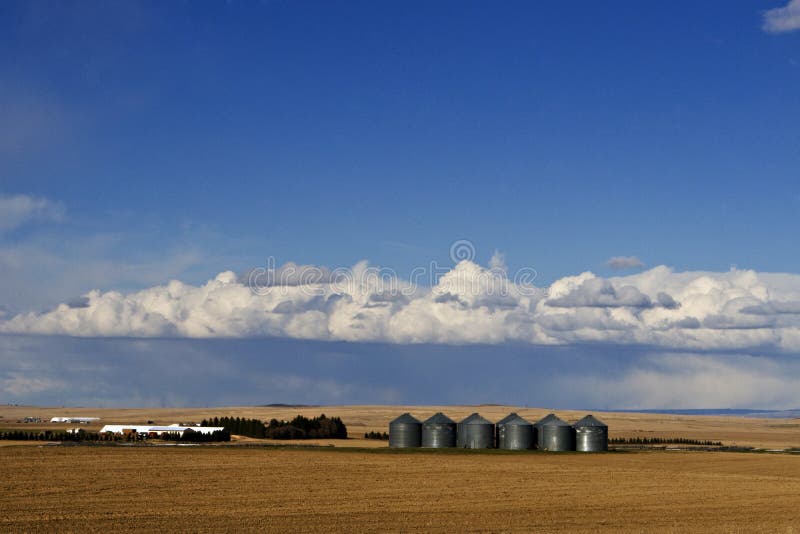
(84, 420)
(155, 430)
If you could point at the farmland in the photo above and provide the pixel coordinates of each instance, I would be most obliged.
(736, 431)
(318, 489)
(360, 485)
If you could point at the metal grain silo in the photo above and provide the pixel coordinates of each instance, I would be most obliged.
(478, 433)
(498, 436)
(516, 434)
(556, 435)
(591, 435)
(405, 431)
(537, 428)
(438, 432)
(462, 432)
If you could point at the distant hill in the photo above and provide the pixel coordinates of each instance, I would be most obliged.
(279, 405)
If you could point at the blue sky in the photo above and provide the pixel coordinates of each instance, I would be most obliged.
(561, 134)
(147, 141)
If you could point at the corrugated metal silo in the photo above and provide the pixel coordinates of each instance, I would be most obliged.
(591, 435)
(498, 435)
(438, 432)
(537, 428)
(516, 434)
(405, 431)
(462, 431)
(478, 433)
(557, 435)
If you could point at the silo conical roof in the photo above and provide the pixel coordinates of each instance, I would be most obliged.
(507, 418)
(439, 419)
(406, 418)
(469, 418)
(590, 420)
(476, 419)
(517, 421)
(546, 419)
(554, 421)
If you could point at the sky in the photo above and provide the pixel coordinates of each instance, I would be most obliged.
(561, 204)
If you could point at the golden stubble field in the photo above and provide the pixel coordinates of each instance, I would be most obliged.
(213, 488)
(231, 489)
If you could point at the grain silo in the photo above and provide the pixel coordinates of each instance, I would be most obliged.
(438, 432)
(405, 431)
(516, 434)
(537, 428)
(498, 436)
(478, 433)
(556, 435)
(462, 432)
(591, 435)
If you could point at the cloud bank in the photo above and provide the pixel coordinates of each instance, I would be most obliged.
(735, 310)
(17, 210)
(783, 19)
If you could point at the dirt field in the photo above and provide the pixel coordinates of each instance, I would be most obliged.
(233, 489)
(742, 431)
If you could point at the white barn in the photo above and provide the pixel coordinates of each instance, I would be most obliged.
(158, 430)
(83, 420)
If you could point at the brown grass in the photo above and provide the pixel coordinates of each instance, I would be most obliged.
(234, 489)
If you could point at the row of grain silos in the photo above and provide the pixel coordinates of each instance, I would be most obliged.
(512, 432)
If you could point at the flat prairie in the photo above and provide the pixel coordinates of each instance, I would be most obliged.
(738, 431)
(231, 489)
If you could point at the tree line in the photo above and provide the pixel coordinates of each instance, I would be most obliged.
(240, 426)
(663, 441)
(188, 435)
(376, 435)
(300, 427)
(51, 435)
(192, 436)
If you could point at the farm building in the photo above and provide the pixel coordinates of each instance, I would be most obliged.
(156, 431)
(74, 419)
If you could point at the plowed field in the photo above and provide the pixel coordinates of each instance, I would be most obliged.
(260, 489)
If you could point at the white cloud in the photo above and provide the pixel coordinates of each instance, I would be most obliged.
(624, 262)
(783, 19)
(17, 210)
(469, 304)
(601, 293)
